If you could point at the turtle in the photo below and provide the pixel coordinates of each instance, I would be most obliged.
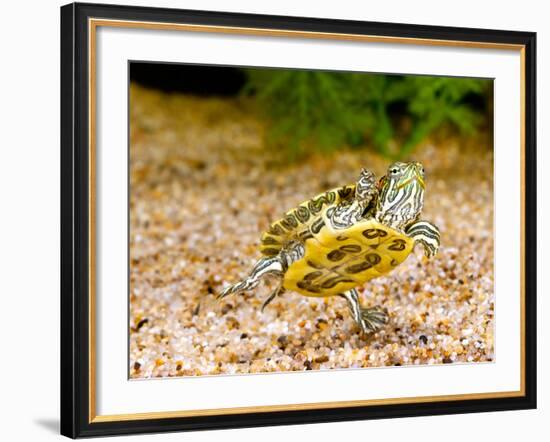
(344, 237)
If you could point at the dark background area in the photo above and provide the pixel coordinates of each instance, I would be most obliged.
(190, 79)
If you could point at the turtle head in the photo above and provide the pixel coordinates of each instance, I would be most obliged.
(401, 194)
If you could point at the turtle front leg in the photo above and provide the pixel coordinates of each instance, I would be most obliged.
(369, 319)
(348, 213)
(425, 234)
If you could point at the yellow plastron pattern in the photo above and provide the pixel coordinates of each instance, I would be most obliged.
(338, 260)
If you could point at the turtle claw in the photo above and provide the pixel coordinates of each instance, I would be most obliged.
(243, 286)
(225, 292)
(232, 289)
(431, 253)
(373, 319)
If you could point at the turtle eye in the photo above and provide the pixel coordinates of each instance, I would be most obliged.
(394, 170)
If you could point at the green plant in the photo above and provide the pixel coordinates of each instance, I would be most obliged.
(313, 110)
(308, 108)
(434, 101)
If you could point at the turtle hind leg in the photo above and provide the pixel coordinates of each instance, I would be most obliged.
(274, 266)
(369, 319)
(265, 266)
(286, 257)
(373, 319)
(278, 291)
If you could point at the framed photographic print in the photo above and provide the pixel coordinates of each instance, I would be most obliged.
(279, 220)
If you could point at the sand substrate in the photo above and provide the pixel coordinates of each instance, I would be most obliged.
(203, 188)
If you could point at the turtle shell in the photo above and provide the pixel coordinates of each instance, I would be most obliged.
(338, 260)
(303, 221)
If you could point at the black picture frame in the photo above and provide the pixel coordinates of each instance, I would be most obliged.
(75, 220)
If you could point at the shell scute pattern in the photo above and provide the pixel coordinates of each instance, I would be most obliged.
(302, 221)
(336, 261)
